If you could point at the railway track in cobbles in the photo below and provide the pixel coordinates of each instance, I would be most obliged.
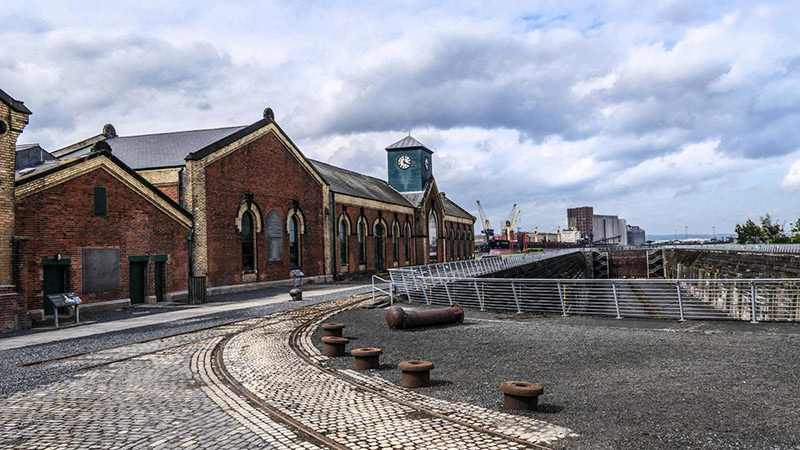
(277, 369)
(253, 383)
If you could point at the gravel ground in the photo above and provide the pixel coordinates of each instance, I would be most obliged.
(627, 384)
(14, 378)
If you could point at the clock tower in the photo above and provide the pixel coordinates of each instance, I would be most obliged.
(410, 164)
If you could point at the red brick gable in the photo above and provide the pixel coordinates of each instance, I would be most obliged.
(276, 178)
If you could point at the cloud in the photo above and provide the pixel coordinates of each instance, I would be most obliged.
(620, 105)
(792, 179)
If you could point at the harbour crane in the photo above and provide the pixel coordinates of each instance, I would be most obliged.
(487, 227)
(512, 220)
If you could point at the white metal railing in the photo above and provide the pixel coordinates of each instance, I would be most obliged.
(683, 299)
(738, 299)
(387, 289)
(764, 248)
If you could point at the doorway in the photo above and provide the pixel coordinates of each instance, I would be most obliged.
(138, 270)
(54, 282)
(160, 274)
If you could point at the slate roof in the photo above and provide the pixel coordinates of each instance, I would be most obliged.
(452, 209)
(16, 105)
(49, 167)
(408, 142)
(150, 151)
(415, 197)
(21, 147)
(346, 182)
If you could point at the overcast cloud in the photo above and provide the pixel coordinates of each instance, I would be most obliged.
(669, 114)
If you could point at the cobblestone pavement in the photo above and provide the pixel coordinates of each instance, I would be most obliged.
(172, 393)
(337, 405)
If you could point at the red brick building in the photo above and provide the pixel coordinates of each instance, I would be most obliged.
(240, 206)
(93, 226)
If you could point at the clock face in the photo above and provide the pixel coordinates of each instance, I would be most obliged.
(427, 164)
(404, 162)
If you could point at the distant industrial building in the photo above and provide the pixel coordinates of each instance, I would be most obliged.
(603, 229)
(609, 230)
(636, 235)
(581, 219)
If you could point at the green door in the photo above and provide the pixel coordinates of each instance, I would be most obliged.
(55, 282)
(137, 280)
(160, 281)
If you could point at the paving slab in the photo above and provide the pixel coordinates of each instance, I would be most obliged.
(80, 331)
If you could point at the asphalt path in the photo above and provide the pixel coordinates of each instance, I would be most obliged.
(627, 384)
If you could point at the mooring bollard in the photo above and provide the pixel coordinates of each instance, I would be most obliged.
(332, 329)
(334, 345)
(397, 317)
(366, 358)
(520, 394)
(416, 373)
(296, 294)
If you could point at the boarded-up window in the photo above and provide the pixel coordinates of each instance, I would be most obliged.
(100, 201)
(99, 269)
(274, 237)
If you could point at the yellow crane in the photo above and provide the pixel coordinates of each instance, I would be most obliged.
(512, 220)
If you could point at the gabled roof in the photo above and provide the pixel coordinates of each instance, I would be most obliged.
(51, 167)
(343, 181)
(16, 105)
(408, 142)
(452, 209)
(150, 151)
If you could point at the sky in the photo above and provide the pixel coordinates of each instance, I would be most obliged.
(668, 114)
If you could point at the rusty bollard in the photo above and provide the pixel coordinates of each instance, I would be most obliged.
(520, 394)
(416, 373)
(332, 329)
(296, 294)
(366, 358)
(334, 345)
(397, 317)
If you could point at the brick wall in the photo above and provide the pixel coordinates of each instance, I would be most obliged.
(269, 171)
(60, 219)
(701, 264)
(371, 215)
(13, 123)
(627, 264)
(171, 191)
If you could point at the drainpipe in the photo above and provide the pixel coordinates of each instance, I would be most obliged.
(190, 243)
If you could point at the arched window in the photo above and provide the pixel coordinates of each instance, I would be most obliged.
(451, 243)
(274, 237)
(395, 242)
(344, 233)
(379, 233)
(248, 242)
(362, 241)
(294, 242)
(433, 238)
(408, 242)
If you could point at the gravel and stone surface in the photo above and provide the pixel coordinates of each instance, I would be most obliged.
(617, 383)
